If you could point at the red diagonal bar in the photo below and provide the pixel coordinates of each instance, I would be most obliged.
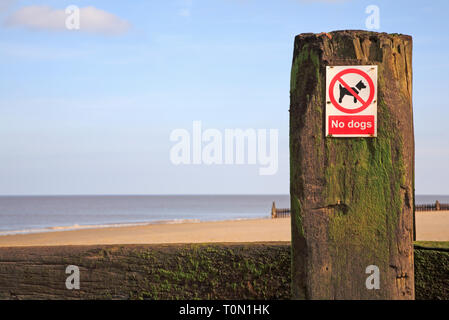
(350, 90)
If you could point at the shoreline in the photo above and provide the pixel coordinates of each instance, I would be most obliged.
(430, 226)
(76, 227)
(243, 230)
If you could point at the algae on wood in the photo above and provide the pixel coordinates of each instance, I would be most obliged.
(246, 271)
(352, 198)
(156, 271)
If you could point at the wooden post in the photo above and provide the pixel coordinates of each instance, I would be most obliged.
(352, 199)
(437, 205)
(273, 211)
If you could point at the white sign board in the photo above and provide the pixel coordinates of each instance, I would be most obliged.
(351, 101)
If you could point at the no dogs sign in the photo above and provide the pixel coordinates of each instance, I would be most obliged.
(351, 101)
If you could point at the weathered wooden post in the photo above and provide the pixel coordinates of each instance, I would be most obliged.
(352, 198)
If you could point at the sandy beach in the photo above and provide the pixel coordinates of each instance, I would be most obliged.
(430, 226)
(253, 230)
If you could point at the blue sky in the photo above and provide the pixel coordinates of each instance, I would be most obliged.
(91, 112)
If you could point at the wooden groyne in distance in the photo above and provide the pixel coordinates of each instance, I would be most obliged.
(437, 206)
(279, 213)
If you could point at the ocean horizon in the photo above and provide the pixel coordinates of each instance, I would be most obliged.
(36, 214)
(45, 213)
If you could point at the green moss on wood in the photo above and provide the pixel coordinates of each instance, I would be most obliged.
(307, 59)
(259, 271)
(358, 188)
(432, 244)
(432, 271)
(297, 215)
(366, 176)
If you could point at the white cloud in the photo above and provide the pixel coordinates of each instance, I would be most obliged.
(92, 20)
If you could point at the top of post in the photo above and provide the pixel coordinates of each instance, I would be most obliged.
(351, 47)
(351, 34)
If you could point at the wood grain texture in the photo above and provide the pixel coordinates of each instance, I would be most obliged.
(352, 199)
(158, 271)
(246, 271)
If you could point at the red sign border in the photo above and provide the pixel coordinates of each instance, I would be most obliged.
(337, 77)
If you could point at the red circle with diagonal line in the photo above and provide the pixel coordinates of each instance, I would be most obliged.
(365, 104)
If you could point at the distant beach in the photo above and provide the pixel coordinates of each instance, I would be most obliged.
(38, 214)
(99, 220)
(251, 230)
(431, 226)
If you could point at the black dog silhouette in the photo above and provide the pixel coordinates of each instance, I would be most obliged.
(343, 91)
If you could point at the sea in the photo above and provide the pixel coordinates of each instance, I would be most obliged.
(35, 214)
